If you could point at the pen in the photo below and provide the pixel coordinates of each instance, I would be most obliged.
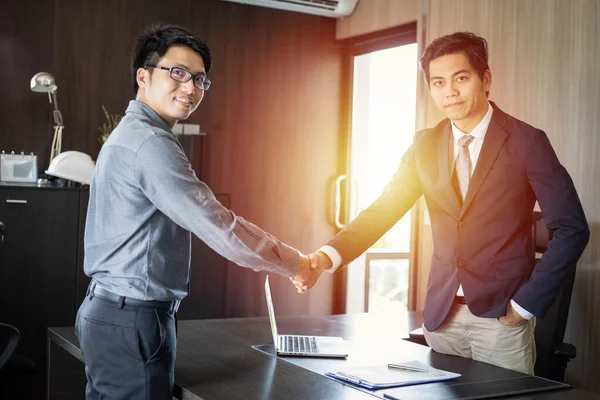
(350, 378)
(406, 368)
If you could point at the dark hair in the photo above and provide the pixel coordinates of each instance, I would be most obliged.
(152, 44)
(474, 47)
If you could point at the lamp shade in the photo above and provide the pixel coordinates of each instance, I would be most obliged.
(43, 82)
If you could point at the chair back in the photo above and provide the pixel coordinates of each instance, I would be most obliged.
(9, 337)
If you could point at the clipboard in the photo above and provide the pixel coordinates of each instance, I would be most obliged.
(381, 377)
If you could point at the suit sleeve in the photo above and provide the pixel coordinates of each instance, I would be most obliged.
(563, 215)
(397, 198)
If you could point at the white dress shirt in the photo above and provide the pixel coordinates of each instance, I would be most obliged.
(478, 134)
(474, 149)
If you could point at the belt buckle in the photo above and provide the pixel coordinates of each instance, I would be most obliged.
(175, 306)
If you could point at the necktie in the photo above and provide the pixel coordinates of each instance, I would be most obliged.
(463, 167)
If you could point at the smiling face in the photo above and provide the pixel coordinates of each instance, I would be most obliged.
(458, 91)
(172, 100)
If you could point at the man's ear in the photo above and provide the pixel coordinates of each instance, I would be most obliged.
(142, 77)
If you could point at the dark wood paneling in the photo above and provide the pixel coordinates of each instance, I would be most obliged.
(25, 48)
(274, 128)
(271, 117)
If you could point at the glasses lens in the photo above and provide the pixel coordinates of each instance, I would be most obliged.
(180, 75)
(202, 82)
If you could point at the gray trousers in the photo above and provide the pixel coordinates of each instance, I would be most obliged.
(129, 351)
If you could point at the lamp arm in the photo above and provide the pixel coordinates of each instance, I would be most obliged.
(58, 121)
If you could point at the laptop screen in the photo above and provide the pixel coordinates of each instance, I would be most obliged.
(271, 312)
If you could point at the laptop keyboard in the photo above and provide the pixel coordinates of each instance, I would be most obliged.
(299, 344)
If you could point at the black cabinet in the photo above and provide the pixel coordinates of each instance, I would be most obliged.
(38, 261)
(42, 282)
(82, 281)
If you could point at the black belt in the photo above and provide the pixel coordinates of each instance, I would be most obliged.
(460, 300)
(97, 291)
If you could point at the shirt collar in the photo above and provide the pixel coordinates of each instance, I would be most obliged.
(141, 108)
(479, 131)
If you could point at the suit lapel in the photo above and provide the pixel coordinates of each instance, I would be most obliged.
(494, 139)
(449, 201)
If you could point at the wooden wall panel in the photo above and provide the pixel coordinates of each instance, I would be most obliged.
(374, 15)
(25, 49)
(271, 116)
(278, 121)
(544, 59)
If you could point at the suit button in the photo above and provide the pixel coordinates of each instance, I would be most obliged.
(462, 263)
(462, 224)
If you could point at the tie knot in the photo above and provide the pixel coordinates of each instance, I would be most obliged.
(465, 140)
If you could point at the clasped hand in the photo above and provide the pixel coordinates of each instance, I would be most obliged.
(311, 268)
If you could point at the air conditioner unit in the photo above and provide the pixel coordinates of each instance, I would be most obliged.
(324, 8)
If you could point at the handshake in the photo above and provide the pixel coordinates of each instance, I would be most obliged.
(310, 270)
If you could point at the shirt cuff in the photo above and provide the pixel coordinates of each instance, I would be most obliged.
(334, 256)
(521, 311)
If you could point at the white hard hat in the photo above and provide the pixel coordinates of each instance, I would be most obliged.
(72, 165)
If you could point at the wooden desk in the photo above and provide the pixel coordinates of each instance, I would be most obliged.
(215, 358)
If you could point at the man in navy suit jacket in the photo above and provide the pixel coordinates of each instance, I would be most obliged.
(484, 285)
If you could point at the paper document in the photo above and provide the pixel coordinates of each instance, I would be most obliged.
(381, 376)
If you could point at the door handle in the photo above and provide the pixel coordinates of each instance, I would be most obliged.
(338, 201)
(2, 229)
(338, 198)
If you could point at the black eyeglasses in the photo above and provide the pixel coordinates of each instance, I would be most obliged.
(183, 76)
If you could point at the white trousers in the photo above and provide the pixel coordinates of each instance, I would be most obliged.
(484, 339)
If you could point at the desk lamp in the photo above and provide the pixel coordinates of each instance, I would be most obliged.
(43, 82)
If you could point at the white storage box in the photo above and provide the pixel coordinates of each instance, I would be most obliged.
(18, 167)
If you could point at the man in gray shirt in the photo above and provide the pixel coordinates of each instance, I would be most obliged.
(145, 199)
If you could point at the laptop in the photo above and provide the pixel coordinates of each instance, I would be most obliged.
(302, 345)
